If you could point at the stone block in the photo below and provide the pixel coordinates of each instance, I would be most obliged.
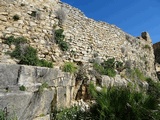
(9, 74)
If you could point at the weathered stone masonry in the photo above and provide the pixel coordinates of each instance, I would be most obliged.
(88, 40)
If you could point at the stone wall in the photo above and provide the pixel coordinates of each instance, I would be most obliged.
(37, 100)
(89, 40)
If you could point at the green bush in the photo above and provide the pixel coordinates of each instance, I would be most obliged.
(22, 88)
(123, 104)
(16, 41)
(59, 38)
(63, 45)
(26, 55)
(16, 17)
(29, 57)
(69, 67)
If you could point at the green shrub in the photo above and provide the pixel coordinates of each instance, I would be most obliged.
(16, 17)
(29, 57)
(16, 41)
(59, 38)
(9, 40)
(26, 54)
(69, 67)
(122, 104)
(63, 45)
(22, 88)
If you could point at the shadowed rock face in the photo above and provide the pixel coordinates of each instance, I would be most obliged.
(156, 48)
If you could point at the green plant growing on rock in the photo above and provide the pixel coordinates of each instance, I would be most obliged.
(106, 67)
(42, 87)
(22, 88)
(135, 74)
(26, 54)
(16, 41)
(59, 38)
(16, 17)
(69, 67)
(147, 47)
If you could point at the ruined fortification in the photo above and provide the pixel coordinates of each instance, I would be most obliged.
(88, 41)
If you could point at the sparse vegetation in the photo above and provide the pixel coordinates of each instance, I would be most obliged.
(59, 37)
(135, 74)
(26, 54)
(106, 68)
(22, 88)
(16, 17)
(147, 47)
(69, 67)
(42, 87)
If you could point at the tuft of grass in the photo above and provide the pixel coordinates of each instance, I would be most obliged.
(69, 67)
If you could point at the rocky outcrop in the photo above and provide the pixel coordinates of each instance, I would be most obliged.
(45, 90)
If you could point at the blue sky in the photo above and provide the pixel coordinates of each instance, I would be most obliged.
(132, 16)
